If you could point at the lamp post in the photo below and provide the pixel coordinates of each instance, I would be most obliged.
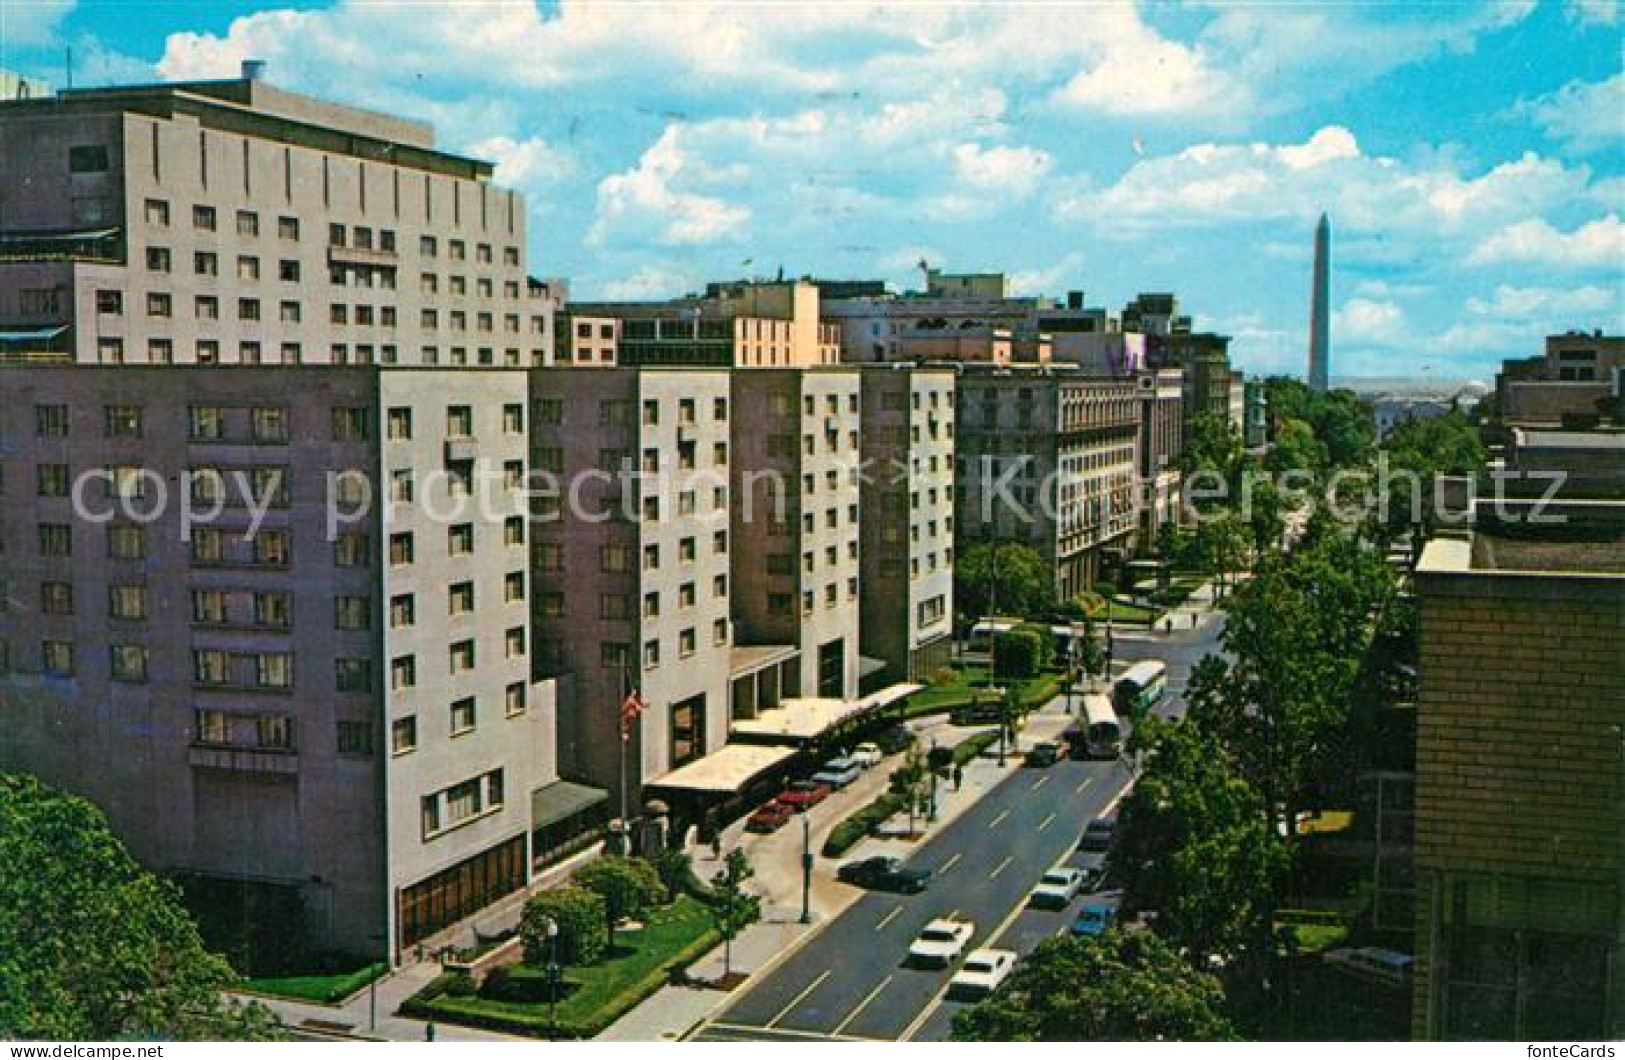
(1004, 722)
(553, 975)
(806, 869)
(931, 809)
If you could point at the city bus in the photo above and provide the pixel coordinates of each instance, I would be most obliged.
(1096, 734)
(1142, 686)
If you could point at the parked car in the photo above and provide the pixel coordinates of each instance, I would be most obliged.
(802, 795)
(883, 873)
(895, 739)
(867, 755)
(1043, 755)
(1373, 962)
(769, 817)
(1092, 864)
(1093, 919)
(838, 773)
(1098, 835)
(979, 712)
(981, 973)
(1057, 888)
(941, 943)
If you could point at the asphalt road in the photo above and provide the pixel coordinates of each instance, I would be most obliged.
(850, 980)
(1181, 650)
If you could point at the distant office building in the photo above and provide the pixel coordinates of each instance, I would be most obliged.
(1047, 457)
(1580, 379)
(1520, 801)
(16, 86)
(907, 505)
(1160, 443)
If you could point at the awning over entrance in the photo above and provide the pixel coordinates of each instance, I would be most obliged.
(748, 658)
(801, 720)
(723, 771)
(561, 799)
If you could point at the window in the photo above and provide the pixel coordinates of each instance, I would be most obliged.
(651, 654)
(459, 421)
(56, 657)
(355, 738)
(403, 735)
(403, 673)
(685, 643)
(157, 213)
(159, 304)
(513, 586)
(126, 542)
(402, 611)
(248, 223)
(350, 425)
(353, 675)
(460, 539)
(127, 602)
(56, 598)
(205, 423)
(203, 218)
(206, 263)
(400, 548)
(287, 227)
(687, 730)
(400, 486)
(129, 662)
(460, 598)
(270, 424)
(52, 480)
(719, 409)
(55, 540)
(513, 643)
(91, 159)
(248, 268)
(651, 413)
(110, 302)
(513, 531)
(287, 271)
(462, 716)
(352, 549)
(513, 418)
(400, 424)
(461, 656)
(352, 613)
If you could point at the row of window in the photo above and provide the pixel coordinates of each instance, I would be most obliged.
(461, 658)
(463, 718)
(207, 219)
(783, 603)
(459, 540)
(261, 424)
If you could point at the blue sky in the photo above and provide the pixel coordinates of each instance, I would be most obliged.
(1470, 155)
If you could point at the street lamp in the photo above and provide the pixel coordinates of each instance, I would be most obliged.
(553, 975)
(806, 869)
(1004, 721)
(931, 811)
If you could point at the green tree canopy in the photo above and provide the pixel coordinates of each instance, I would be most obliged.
(1006, 575)
(94, 948)
(1121, 986)
(629, 886)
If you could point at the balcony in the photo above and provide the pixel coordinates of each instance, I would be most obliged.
(348, 255)
(97, 244)
(242, 759)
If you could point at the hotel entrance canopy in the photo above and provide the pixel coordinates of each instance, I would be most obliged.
(804, 720)
(724, 771)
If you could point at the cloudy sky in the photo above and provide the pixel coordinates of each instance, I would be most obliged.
(1470, 156)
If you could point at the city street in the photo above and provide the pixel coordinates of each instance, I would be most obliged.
(850, 980)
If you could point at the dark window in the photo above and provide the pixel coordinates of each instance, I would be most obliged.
(87, 159)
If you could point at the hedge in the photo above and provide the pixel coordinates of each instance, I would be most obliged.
(861, 822)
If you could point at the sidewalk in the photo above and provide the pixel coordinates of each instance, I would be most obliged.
(1196, 611)
(676, 1010)
(355, 1017)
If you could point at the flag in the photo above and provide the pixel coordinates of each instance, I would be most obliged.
(632, 706)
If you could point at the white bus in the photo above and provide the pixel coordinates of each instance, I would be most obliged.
(1143, 685)
(1097, 733)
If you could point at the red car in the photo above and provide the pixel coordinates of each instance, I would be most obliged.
(769, 818)
(802, 795)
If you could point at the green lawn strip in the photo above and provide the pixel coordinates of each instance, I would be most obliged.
(324, 989)
(592, 997)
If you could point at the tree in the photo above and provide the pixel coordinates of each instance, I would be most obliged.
(94, 948)
(1214, 451)
(732, 908)
(1417, 451)
(583, 927)
(1017, 655)
(1121, 986)
(1193, 842)
(1295, 449)
(1006, 575)
(629, 886)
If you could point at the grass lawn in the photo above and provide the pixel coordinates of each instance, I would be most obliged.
(321, 988)
(594, 996)
(971, 678)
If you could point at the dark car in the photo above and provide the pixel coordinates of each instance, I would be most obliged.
(1043, 755)
(980, 712)
(895, 739)
(884, 874)
(1098, 836)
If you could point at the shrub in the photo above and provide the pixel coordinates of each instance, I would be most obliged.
(944, 675)
(939, 759)
(583, 926)
(1016, 655)
(861, 822)
(676, 871)
(1106, 589)
(516, 984)
(629, 886)
(460, 985)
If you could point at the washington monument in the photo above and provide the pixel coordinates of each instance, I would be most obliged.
(1320, 347)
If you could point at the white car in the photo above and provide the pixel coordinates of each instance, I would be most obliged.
(1057, 888)
(838, 773)
(867, 755)
(982, 973)
(941, 943)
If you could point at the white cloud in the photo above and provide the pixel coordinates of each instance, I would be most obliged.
(646, 200)
(1584, 116)
(651, 282)
(523, 163)
(1016, 170)
(1144, 74)
(1546, 302)
(1367, 321)
(1599, 243)
(1589, 12)
(31, 23)
(1057, 277)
